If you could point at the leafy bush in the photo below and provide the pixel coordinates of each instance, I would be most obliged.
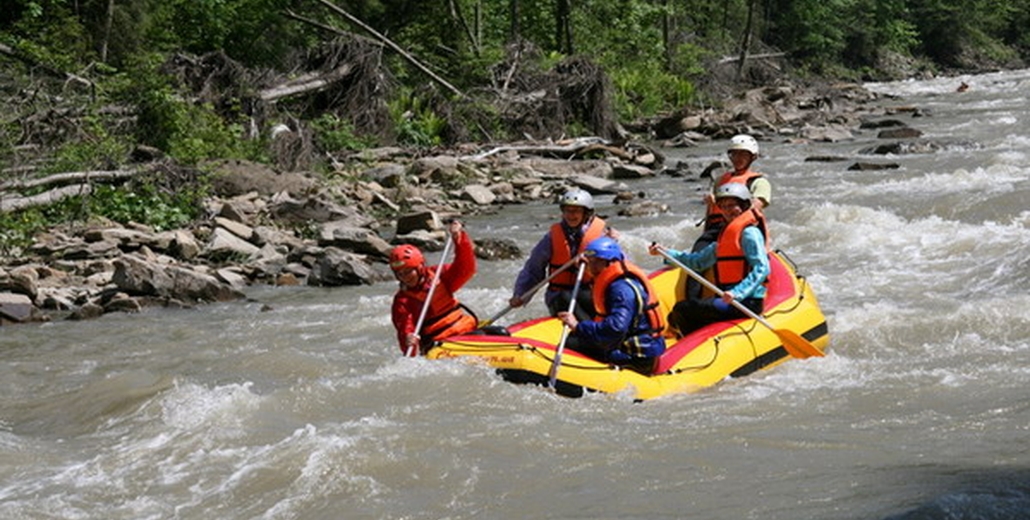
(333, 134)
(642, 92)
(416, 124)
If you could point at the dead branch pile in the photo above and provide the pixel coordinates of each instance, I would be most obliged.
(545, 103)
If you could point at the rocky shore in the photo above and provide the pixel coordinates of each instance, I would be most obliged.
(268, 227)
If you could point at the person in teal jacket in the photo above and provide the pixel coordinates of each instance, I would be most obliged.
(741, 260)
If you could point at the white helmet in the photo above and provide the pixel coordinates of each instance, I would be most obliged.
(577, 197)
(744, 142)
(734, 189)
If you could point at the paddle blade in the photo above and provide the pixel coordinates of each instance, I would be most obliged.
(797, 346)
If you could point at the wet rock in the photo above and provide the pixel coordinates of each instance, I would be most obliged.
(224, 245)
(232, 276)
(241, 230)
(21, 280)
(497, 249)
(899, 133)
(631, 171)
(478, 194)
(881, 123)
(121, 302)
(388, 175)
(867, 166)
(423, 220)
(337, 267)
(87, 311)
(597, 185)
(17, 308)
(138, 277)
(830, 133)
(184, 245)
(359, 240)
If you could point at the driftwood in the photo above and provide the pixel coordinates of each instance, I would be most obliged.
(306, 83)
(49, 197)
(68, 178)
(568, 150)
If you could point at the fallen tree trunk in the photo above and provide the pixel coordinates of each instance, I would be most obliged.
(305, 83)
(16, 203)
(566, 151)
(61, 179)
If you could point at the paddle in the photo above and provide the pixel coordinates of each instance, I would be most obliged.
(429, 296)
(552, 375)
(528, 294)
(794, 344)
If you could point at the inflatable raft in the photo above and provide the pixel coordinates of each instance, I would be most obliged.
(524, 352)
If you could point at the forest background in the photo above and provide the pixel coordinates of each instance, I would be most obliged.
(97, 85)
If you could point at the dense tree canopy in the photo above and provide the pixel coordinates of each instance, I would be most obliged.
(655, 52)
(99, 84)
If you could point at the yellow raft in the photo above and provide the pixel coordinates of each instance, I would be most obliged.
(700, 359)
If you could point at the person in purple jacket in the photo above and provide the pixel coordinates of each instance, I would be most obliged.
(564, 241)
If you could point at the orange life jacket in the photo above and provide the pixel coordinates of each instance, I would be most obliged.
(714, 215)
(730, 264)
(655, 320)
(446, 316)
(561, 253)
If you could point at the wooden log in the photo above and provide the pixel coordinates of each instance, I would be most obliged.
(307, 83)
(567, 150)
(70, 177)
(16, 203)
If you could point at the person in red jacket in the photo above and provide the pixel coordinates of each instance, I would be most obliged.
(445, 316)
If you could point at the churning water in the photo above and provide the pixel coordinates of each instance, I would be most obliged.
(308, 411)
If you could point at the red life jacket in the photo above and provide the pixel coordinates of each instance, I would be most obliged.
(730, 264)
(714, 215)
(561, 253)
(620, 269)
(445, 317)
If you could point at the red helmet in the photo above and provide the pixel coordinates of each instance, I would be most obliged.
(404, 256)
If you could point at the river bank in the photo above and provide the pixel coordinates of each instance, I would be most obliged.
(263, 226)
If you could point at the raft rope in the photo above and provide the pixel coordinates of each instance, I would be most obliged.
(717, 340)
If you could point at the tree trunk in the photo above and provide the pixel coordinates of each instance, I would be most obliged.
(563, 25)
(458, 17)
(108, 20)
(516, 31)
(745, 43)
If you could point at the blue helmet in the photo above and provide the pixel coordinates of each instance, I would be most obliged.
(604, 248)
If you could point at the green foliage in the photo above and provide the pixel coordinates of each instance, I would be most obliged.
(17, 230)
(49, 32)
(94, 149)
(144, 204)
(334, 134)
(416, 123)
(186, 131)
(641, 92)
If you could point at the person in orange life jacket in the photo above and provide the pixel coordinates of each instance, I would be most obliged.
(628, 327)
(563, 241)
(740, 259)
(445, 316)
(742, 152)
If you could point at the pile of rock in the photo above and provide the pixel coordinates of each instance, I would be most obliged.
(285, 229)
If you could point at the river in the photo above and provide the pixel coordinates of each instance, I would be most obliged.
(297, 405)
